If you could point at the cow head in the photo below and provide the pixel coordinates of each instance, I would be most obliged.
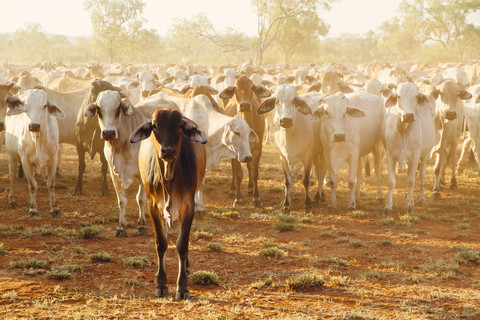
(237, 136)
(148, 82)
(244, 91)
(36, 106)
(333, 110)
(286, 103)
(407, 99)
(108, 106)
(450, 98)
(169, 128)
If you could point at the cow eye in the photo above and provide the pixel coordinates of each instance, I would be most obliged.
(236, 133)
(326, 112)
(118, 112)
(100, 115)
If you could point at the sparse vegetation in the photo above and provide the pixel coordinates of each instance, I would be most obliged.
(203, 277)
(305, 281)
(136, 262)
(90, 232)
(101, 257)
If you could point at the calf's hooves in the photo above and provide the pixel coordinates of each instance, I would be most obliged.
(55, 212)
(120, 233)
(33, 213)
(161, 292)
(182, 295)
(12, 204)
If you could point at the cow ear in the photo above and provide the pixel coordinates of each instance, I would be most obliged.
(435, 93)
(127, 107)
(318, 113)
(386, 92)
(261, 91)
(91, 110)
(464, 95)
(302, 106)
(345, 88)
(267, 105)
(211, 90)
(317, 86)
(478, 99)
(168, 79)
(252, 137)
(228, 93)
(355, 112)
(191, 130)
(220, 79)
(142, 132)
(422, 99)
(15, 106)
(55, 111)
(391, 101)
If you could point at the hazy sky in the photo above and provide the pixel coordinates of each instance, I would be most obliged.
(68, 17)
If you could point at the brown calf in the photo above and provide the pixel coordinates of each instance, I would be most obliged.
(172, 167)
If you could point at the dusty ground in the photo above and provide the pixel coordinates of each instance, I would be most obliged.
(404, 266)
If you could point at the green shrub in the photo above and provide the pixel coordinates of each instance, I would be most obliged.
(101, 257)
(90, 232)
(203, 277)
(305, 281)
(136, 262)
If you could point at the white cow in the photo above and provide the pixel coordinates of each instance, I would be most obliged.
(408, 137)
(449, 123)
(228, 137)
(32, 137)
(117, 119)
(472, 118)
(294, 136)
(350, 129)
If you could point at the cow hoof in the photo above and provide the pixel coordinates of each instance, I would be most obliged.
(120, 233)
(161, 292)
(142, 230)
(55, 212)
(308, 209)
(182, 295)
(436, 195)
(421, 202)
(387, 211)
(12, 204)
(77, 192)
(380, 200)
(453, 186)
(200, 213)
(286, 210)
(410, 209)
(237, 203)
(33, 213)
(257, 203)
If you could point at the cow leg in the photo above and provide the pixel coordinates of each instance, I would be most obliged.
(29, 171)
(199, 206)
(452, 161)
(253, 173)
(51, 173)
(306, 184)
(81, 169)
(359, 178)
(122, 203)
(161, 244)
(141, 201)
(436, 185)
(237, 178)
(423, 170)
(412, 169)
(320, 173)
(333, 189)
(288, 185)
(182, 252)
(391, 184)
(352, 177)
(104, 185)
(377, 165)
(12, 169)
(466, 146)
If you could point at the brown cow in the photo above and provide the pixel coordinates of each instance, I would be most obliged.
(246, 103)
(172, 168)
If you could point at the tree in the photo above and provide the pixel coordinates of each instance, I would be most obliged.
(113, 24)
(397, 41)
(273, 14)
(31, 43)
(441, 21)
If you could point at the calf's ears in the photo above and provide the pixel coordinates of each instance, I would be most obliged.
(55, 111)
(142, 132)
(227, 93)
(464, 95)
(261, 91)
(127, 107)
(355, 112)
(91, 110)
(15, 106)
(267, 105)
(193, 133)
(391, 101)
(302, 106)
(252, 136)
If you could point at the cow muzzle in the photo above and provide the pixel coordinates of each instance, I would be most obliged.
(286, 123)
(338, 137)
(108, 135)
(34, 127)
(145, 93)
(408, 117)
(167, 153)
(245, 159)
(2, 126)
(245, 107)
(450, 115)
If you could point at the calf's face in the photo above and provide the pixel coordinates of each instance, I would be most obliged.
(108, 106)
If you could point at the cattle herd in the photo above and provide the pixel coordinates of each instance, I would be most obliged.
(163, 127)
